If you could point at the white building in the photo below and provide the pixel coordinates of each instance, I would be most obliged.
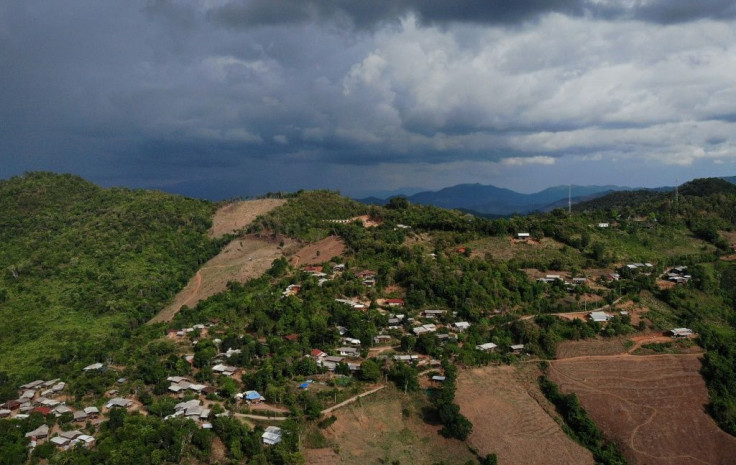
(272, 435)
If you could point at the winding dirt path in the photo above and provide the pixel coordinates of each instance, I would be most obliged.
(323, 412)
(352, 399)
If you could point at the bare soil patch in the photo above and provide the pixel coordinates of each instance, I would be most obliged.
(619, 345)
(218, 454)
(588, 347)
(242, 259)
(662, 284)
(375, 430)
(235, 216)
(319, 252)
(652, 406)
(367, 221)
(321, 457)
(509, 421)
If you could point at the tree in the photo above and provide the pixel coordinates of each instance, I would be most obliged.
(398, 203)
(404, 376)
(456, 424)
(370, 371)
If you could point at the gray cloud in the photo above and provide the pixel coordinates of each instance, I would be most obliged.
(241, 98)
(368, 15)
(362, 14)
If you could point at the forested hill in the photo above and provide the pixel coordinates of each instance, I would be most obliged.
(81, 265)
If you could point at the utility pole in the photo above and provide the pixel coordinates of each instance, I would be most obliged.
(569, 199)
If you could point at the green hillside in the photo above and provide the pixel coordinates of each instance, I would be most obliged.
(81, 266)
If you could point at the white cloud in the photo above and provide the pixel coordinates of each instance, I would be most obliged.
(521, 161)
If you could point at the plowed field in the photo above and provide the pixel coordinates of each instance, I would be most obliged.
(652, 406)
(511, 423)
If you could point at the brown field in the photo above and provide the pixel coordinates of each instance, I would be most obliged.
(622, 345)
(375, 431)
(505, 407)
(652, 406)
(242, 259)
(235, 216)
(319, 252)
(588, 347)
(505, 248)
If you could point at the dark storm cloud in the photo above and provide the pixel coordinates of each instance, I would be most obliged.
(668, 11)
(291, 94)
(369, 14)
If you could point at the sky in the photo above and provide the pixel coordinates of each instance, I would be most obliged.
(235, 98)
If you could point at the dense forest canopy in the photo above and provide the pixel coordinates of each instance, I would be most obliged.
(81, 265)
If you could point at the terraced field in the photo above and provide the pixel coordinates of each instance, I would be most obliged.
(652, 406)
(510, 422)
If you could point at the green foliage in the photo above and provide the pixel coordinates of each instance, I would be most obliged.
(82, 265)
(490, 459)
(370, 370)
(327, 422)
(132, 438)
(455, 424)
(307, 216)
(580, 426)
(404, 376)
(12, 443)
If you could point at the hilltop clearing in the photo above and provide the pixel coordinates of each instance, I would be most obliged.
(236, 216)
(319, 251)
(242, 259)
(511, 421)
(652, 406)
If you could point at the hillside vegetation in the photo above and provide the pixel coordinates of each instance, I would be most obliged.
(80, 266)
(424, 291)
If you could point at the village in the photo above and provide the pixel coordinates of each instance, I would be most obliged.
(74, 423)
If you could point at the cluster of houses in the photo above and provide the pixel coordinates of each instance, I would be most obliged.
(330, 362)
(551, 278)
(640, 267)
(180, 384)
(64, 440)
(677, 275)
(317, 271)
(183, 332)
(193, 410)
(46, 398)
(37, 396)
(368, 277)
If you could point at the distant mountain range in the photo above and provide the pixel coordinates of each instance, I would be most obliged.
(497, 201)
(490, 200)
